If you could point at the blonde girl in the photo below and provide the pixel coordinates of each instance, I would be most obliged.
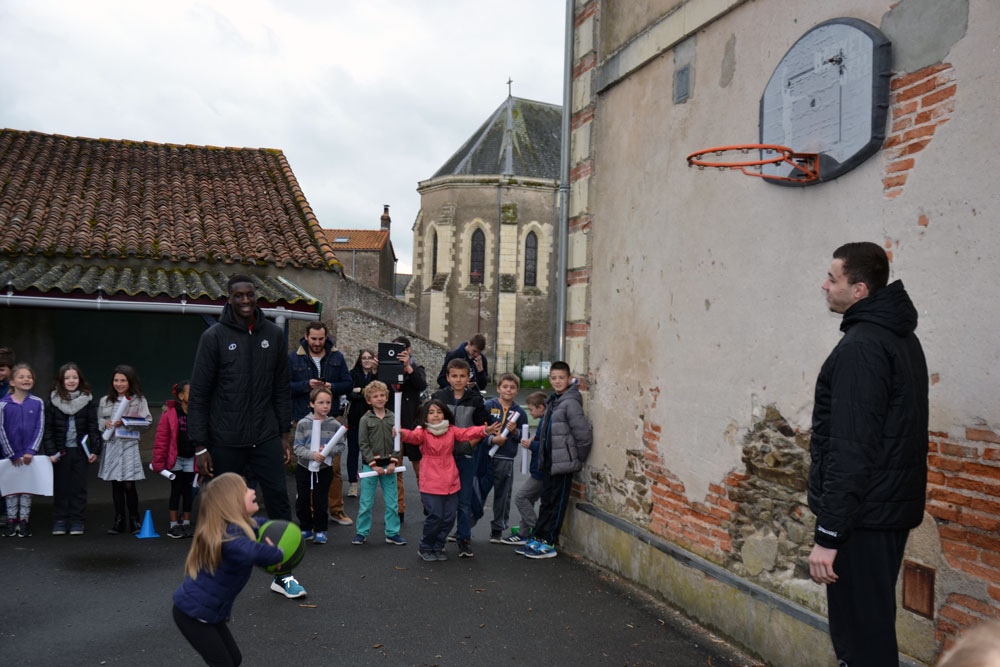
(222, 556)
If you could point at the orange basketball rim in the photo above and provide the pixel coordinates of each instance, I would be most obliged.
(805, 166)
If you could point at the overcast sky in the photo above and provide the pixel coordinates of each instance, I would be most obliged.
(365, 97)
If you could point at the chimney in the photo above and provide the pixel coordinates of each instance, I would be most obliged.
(386, 220)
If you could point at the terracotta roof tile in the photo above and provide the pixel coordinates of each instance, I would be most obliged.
(357, 239)
(111, 199)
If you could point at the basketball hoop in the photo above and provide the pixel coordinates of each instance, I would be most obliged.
(805, 166)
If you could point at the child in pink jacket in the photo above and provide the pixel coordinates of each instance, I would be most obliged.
(439, 483)
(173, 451)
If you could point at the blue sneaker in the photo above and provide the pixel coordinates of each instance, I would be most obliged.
(395, 539)
(543, 550)
(307, 535)
(526, 546)
(319, 537)
(59, 528)
(359, 539)
(288, 587)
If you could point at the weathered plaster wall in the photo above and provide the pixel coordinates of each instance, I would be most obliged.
(700, 322)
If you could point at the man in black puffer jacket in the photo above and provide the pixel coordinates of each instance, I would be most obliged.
(868, 474)
(240, 407)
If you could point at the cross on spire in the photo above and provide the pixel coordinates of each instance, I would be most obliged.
(509, 81)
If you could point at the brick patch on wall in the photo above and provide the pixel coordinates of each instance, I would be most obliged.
(921, 102)
(963, 496)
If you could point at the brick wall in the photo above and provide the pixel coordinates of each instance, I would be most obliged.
(963, 496)
(921, 102)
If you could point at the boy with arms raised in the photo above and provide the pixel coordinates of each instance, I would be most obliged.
(469, 410)
(564, 443)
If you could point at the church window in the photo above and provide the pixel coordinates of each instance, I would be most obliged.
(531, 260)
(477, 264)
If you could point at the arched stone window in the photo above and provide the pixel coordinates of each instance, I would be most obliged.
(531, 260)
(434, 254)
(477, 259)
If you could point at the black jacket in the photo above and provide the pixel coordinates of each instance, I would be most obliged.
(56, 422)
(869, 432)
(240, 394)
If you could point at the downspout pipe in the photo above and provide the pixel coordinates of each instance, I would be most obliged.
(279, 315)
(564, 145)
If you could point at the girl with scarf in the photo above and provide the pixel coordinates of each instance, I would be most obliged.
(73, 440)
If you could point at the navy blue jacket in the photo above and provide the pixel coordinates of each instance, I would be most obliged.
(480, 379)
(509, 449)
(301, 369)
(210, 597)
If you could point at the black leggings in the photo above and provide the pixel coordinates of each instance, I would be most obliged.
(181, 490)
(213, 641)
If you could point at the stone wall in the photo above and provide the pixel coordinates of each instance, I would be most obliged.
(359, 328)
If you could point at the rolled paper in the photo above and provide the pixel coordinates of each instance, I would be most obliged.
(119, 411)
(493, 450)
(317, 426)
(55, 457)
(328, 448)
(164, 473)
(525, 452)
(398, 405)
(513, 420)
(194, 482)
(372, 473)
(83, 443)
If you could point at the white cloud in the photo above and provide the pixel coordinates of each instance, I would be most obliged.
(366, 98)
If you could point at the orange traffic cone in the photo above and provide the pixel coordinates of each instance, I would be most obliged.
(147, 527)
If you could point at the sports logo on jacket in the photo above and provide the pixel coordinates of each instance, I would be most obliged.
(232, 346)
(264, 344)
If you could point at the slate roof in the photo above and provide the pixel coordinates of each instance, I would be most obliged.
(35, 276)
(520, 138)
(357, 239)
(100, 199)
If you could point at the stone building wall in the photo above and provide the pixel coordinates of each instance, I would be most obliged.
(695, 315)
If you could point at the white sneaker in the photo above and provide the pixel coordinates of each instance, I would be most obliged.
(352, 490)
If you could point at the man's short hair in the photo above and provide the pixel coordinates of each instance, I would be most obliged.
(402, 340)
(560, 366)
(478, 341)
(460, 364)
(238, 278)
(509, 377)
(315, 325)
(864, 262)
(374, 387)
(537, 398)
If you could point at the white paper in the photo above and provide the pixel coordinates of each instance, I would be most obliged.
(55, 457)
(34, 478)
(119, 411)
(506, 430)
(165, 473)
(398, 405)
(372, 473)
(328, 448)
(525, 452)
(83, 443)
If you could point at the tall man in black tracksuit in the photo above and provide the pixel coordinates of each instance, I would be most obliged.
(868, 474)
(240, 408)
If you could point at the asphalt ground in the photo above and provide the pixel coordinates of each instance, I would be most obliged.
(98, 599)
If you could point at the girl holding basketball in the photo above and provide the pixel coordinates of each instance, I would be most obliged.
(222, 556)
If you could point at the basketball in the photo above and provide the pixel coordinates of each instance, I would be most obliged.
(286, 536)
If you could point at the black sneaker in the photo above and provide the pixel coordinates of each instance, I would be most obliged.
(428, 555)
(24, 530)
(11, 529)
(176, 531)
(465, 549)
(495, 537)
(59, 528)
(76, 528)
(188, 529)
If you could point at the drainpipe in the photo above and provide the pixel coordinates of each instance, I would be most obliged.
(564, 186)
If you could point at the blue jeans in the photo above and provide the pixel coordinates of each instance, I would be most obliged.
(466, 470)
(440, 518)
